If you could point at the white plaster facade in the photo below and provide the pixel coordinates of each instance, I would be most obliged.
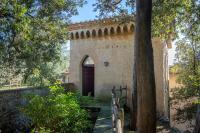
(109, 41)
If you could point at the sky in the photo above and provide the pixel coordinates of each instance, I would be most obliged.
(86, 13)
(171, 54)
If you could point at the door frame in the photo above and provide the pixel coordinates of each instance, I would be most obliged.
(82, 76)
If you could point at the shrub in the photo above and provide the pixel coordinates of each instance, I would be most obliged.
(57, 112)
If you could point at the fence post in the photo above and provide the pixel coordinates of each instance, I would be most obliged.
(121, 117)
(119, 128)
(117, 111)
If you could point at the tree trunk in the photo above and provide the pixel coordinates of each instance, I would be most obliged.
(195, 64)
(197, 125)
(133, 122)
(146, 94)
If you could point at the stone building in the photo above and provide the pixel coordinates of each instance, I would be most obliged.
(101, 56)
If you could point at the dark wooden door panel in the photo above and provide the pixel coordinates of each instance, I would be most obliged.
(88, 80)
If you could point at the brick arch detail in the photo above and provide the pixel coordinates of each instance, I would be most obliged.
(100, 32)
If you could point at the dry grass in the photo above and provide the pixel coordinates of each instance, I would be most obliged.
(182, 110)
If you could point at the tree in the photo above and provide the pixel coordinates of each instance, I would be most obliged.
(188, 48)
(145, 82)
(32, 32)
(189, 68)
(146, 94)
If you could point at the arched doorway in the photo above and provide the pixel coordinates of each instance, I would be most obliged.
(88, 76)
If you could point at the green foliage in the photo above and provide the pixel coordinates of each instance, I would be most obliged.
(57, 112)
(32, 33)
(189, 67)
(188, 47)
(189, 79)
(85, 100)
(183, 93)
(175, 69)
(166, 17)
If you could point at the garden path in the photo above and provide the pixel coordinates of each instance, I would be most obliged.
(104, 121)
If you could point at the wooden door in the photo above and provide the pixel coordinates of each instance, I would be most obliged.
(88, 80)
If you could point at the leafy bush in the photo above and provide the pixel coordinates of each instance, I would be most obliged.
(57, 112)
(85, 101)
(183, 93)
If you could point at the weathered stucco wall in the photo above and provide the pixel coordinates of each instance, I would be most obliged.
(117, 53)
(117, 49)
(161, 76)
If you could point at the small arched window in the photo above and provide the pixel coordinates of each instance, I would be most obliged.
(105, 31)
(72, 36)
(125, 29)
(112, 31)
(99, 32)
(118, 30)
(77, 35)
(82, 34)
(131, 28)
(93, 33)
(88, 34)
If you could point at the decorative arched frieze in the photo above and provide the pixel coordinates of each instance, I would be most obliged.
(127, 28)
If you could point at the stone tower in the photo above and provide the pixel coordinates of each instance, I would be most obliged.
(101, 56)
